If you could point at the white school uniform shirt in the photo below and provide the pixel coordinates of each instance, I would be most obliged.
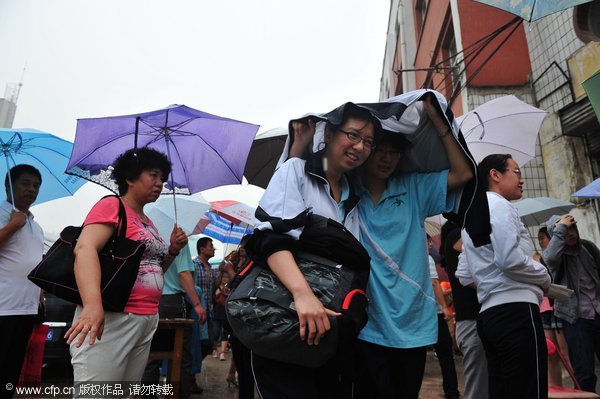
(293, 190)
(18, 256)
(504, 270)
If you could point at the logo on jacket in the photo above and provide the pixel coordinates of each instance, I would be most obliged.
(398, 202)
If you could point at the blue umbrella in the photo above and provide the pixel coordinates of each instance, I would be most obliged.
(530, 10)
(44, 151)
(592, 190)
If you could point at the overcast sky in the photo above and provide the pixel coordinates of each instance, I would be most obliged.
(259, 61)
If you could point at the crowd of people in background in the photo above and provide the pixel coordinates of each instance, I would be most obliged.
(498, 319)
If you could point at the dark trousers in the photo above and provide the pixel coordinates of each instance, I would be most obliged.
(172, 306)
(443, 350)
(14, 336)
(515, 347)
(243, 365)
(279, 380)
(583, 339)
(388, 373)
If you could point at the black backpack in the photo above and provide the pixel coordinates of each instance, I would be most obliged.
(261, 311)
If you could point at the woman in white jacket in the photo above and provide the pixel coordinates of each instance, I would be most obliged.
(510, 286)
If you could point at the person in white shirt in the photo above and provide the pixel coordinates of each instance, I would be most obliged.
(21, 249)
(299, 188)
(510, 286)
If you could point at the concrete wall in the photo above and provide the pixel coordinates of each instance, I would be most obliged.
(565, 166)
(553, 39)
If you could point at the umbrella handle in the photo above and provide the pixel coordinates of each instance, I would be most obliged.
(175, 209)
(6, 147)
(167, 139)
(10, 185)
(173, 186)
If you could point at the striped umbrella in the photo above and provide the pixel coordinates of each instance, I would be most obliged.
(221, 229)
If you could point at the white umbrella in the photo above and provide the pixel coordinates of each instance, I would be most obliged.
(536, 211)
(190, 209)
(592, 190)
(505, 125)
(433, 225)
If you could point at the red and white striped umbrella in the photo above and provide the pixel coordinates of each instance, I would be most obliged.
(237, 212)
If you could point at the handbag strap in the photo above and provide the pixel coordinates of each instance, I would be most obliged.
(121, 229)
(316, 259)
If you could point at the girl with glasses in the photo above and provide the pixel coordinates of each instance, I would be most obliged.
(317, 185)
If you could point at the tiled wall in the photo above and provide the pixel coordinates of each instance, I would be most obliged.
(552, 38)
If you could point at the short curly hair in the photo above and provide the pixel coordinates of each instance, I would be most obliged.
(130, 165)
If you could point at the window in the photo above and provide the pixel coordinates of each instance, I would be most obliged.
(451, 63)
(420, 15)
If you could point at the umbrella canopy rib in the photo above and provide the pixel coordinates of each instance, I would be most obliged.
(185, 134)
(42, 165)
(471, 131)
(512, 150)
(44, 151)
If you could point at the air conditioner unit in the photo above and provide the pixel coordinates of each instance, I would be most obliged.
(586, 21)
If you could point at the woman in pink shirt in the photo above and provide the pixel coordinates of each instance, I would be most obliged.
(113, 346)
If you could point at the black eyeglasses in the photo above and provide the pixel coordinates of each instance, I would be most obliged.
(517, 171)
(357, 138)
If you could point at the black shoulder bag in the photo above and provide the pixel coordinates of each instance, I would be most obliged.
(119, 264)
(261, 310)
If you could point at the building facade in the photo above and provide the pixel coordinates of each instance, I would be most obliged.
(472, 53)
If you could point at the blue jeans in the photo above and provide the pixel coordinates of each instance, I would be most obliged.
(583, 338)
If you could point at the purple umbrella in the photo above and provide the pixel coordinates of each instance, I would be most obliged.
(206, 150)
